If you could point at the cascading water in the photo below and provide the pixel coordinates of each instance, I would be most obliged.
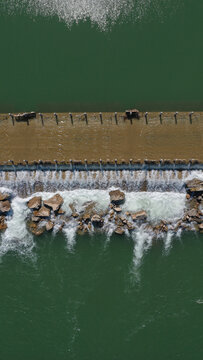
(25, 183)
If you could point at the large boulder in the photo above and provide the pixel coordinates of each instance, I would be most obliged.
(35, 203)
(54, 202)
(194, 186)
(97, 220)
(36, 229)
(43, 212)
(139, 215)
(117, 197)
(5, 207)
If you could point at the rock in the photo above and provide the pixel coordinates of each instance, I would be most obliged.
(54, 202)
(75, 215)
(35, 229)
(128, 213)
(123, 219)
(195, 187)
(117, 197)
(89, 207)
(60, 212)
(35, 218)
(49, 226)
(5, 206)
(119, 230)
(86, 217)
(117, 209)
(42, 213)
(3, 225)
(193, 213)
(187, 196)
(35, 203)
(139, 215)
(97, 220)
(111, 213)
(4, 196)
(130, 226)
(201, 227)
(38, 231)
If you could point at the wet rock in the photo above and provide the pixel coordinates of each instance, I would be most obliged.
(35, 229)
(35, 203)
(130, 226)
(5, 207)
(75, 215)
(86, 218)
(4, 196)
(123, 219)
(201, 227)
(35, 218)
(54, 202)
(49, 226)
(89, 207)
(139, 215)
(44, 212)
(194, 187)
(60, 212)
(117, 197)
(111, 212)
(128, 213)
(97, 220)
(119, 230)
(3, 225)
(187, 196)
(117, 209)
(193, 213)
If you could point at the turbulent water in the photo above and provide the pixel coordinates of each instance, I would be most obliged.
(104, 13)
(160, 194)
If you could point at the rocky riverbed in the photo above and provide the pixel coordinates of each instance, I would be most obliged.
(49, 215)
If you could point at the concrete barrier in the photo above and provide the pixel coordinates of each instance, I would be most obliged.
(72, 165)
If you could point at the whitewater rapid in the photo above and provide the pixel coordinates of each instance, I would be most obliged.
(163, 199)
(168, 206)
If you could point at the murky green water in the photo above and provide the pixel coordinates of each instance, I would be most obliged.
(93, 304)
(150, 58)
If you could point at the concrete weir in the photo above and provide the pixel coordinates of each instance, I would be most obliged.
(101, 141)
(163, 165)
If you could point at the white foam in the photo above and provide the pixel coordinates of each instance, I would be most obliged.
(158, 205)
(16, 237)
(103, 13)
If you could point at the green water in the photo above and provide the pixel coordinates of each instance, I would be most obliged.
(154, 63)
(93, 304)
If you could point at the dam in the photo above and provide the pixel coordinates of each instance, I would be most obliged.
(101, 179)
(77, 159)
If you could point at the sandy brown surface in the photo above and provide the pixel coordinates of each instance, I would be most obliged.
(92, 141)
